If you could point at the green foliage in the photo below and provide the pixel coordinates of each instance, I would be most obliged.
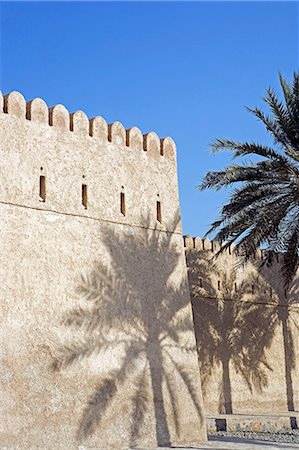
(263, 208)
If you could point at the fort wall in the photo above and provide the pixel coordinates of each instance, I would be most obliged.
(247, 331)
(69, 151)
(97, 336)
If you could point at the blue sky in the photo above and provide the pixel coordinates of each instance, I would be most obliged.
(184, 69)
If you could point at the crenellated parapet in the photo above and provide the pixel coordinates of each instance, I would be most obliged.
(58, 116)
(212, 246)
(197, 243)
(223, 274)
(69, 163)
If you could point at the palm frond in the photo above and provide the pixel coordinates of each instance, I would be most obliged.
(271, 125)
(263, 209)
(140, 406)
(189, 383)
(290, 260)
(246, 148)
(96, 407)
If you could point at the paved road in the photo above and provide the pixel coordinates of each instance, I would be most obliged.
(226, 443)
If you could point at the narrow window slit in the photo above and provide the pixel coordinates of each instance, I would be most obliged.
(84, 195)
(236, 287)
(219, 285)
(159, 213)
(200, 282)
(122, 203)
(42, 188)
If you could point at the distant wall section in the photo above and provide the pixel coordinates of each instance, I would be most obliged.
(247, 332)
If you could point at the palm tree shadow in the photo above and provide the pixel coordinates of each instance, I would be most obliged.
(135, 308)
(287, 317)
(232, 330)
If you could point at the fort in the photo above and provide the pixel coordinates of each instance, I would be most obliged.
(98, 347)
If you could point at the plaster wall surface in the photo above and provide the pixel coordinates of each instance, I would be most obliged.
(247, 331)
(97, 338)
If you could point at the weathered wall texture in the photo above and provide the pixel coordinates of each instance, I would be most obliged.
(247, 332)
(97, 339)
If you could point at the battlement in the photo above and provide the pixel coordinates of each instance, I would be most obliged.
(207, 245)
(58, 116)
(67, 163)
(225, 271)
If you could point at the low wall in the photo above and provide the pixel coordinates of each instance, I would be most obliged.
(247, 332)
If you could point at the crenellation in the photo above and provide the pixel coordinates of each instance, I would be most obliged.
(151, 143)
(59, 117)
(215, 246)
(168, 148)
(188, 242)
(117, 133)
(98, 128)
(79, 123)
(15, 104)
(134, 138)
(197, 244)
(37, 111)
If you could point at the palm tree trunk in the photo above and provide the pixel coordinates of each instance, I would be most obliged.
(227, 390)
(288, 362)
(162, 432)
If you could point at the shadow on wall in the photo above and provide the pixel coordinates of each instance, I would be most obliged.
(135, 305)
(229, 331)
(234, 326)
(288, 318)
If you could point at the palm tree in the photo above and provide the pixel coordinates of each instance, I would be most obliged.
(264, 209)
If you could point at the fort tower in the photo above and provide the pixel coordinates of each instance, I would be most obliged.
(97, 345)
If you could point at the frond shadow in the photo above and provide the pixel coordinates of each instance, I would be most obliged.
(232, 330)
(288, 318)
(135, 305)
